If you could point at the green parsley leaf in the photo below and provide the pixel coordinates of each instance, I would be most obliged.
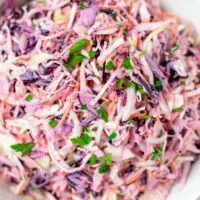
(112, 136)
(179, 109)
(107, 159)
(81, 141)
(74, 60)
(132, 85)
(52, 123)
(110, 65)
(93, 159)
(143, 53)
(78, 46)
(83, 107)
(103, 169)
(85, 129)
(158, 84)
(136, 87)
(145, 117)
(99, 67)
(156, 153)
(130, 121)
(103, 114)
(141, 90)
(83, 5)
(92, 53)
(24, 148)
(174, 48)
(127, 63)
(29, 98)
(120, 83)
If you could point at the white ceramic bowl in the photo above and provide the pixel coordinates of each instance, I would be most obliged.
(188, 10)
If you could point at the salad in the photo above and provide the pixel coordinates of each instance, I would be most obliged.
(99, 99)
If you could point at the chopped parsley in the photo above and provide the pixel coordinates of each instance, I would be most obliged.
(158, 84)
(103, 114)
(82, 4)
(120, 83)
(103, 169)
(179, 109)
(127, 63)
(85, 129)
(74, 60)
(83, 107)
(174, 48)
(112, 136)
(136, 87)
(93, 159)
(52, 123)
(91, 53)
(78, 46)
(110, 65)
(132, 85)
(24, 148)
(81, 141)
(145, 117)
(99, 67)
(156, 153)
(107, 161)
(130, 121)
(29, 98)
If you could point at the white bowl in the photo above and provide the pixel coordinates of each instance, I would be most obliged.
(188, 10)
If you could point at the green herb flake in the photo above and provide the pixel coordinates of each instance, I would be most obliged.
(127, 63)
(120, 83)
(24, 148)
(141, 90)
(92, 53)
(103, 169)
(158, 84)
(78, 46)
(112, 136)
(107, 159)
(174, 48)
(145, 117)
(110, 65)
(93, 159)
(103, 114)
(179, 109)
(130, 121)
(136, 87)
(74, 60)
(52, 123)
(82, 4)
(156, 153)
(85, 129)
(81, 141)
(99, 67)
(29, 98)
(132, 85)
(143, 53)
(83, 107)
